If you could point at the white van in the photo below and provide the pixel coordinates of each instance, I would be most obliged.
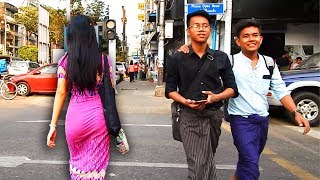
(21, 67)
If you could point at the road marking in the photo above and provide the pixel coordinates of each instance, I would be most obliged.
(312, 133)
(294, 169)
(14, 161)
(288, 165)
(149, 125)
(62, 122)
(302, 146)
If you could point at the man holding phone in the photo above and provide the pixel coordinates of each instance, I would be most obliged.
(198, 76)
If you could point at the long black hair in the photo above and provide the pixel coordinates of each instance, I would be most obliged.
(84, 56)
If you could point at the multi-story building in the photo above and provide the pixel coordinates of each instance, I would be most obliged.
(150, 41)
(10, 38)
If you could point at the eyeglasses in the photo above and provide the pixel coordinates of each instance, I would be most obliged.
(198, 26)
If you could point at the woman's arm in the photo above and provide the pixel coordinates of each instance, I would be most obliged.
(59, 99)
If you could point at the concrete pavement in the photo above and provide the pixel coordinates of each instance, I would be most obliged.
(138, 97)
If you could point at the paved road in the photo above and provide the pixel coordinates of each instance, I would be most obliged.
(153, 154)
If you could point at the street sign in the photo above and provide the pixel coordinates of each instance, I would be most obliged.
(141, 6)
(211, 8)
(140, 17)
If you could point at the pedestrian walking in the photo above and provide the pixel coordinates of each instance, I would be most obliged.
(80, 71)
(197, 76)
(136, 70)
(249, 111)
(131, 71)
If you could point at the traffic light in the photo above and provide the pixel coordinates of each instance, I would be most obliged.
(109, 29)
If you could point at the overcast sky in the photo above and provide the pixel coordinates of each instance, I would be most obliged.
(134, 26)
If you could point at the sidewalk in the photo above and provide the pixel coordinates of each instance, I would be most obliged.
(138, 97)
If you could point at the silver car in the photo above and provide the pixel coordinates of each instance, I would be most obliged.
(21, 67)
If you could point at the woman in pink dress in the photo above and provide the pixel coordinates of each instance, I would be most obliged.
(80, 71)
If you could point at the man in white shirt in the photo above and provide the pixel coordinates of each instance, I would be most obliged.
(249, 111)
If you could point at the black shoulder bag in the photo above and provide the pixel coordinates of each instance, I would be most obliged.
(107, 95)
(175, 106)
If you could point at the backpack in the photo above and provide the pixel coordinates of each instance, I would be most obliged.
(270, 66)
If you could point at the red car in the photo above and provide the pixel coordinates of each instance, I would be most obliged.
(40, 80)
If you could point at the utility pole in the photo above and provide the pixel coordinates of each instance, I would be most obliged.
(124, 21)
(228, 22)
(160, 87)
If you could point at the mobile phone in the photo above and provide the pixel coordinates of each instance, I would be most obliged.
(201, 101)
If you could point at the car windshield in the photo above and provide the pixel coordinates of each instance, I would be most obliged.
(311, 62)
(52, 69)
(18, 64)
(119, 66)
(34, 65)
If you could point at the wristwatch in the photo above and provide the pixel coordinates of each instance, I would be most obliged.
(296, 111)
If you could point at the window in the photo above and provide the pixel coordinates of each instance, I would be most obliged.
(52, 69)
(34, 65)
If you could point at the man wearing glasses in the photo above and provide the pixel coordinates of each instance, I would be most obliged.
(197, 75)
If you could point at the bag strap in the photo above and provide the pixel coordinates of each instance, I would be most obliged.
(105, 65)
(232, 61)
(269, 64)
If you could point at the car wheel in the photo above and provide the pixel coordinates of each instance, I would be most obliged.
(23, 88)
(309, 104)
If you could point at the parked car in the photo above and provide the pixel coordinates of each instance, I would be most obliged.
(304, 86)
(121, 67)
(9, 59)
(5, 61)
(119, 76)
(21, 67)
(40, 80)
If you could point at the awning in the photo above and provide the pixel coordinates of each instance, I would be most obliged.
(152, 37)
(152, 17)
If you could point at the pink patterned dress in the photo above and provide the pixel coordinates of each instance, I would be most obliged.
(86, 132)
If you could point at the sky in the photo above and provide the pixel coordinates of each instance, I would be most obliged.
(133, 27)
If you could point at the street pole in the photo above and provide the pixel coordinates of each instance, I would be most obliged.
(228, 20)
(113, 45)
(160, 88)
(161, 42)
(68, 10)
(124, 21)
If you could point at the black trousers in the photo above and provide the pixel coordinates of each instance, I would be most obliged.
(131, 74)
(200, 132)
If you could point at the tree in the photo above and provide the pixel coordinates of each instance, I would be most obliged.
(96, 10)
(57, 19)
(29, 18)
(76, 7)
(29, 52)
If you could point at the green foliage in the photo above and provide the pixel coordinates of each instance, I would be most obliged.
(29, 52)
(28, 17)
(76, 7)
(96, 10)
(57, 19)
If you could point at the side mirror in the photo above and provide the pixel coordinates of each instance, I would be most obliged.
(36, 72)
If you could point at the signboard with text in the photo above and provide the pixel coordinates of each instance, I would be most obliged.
(141, 6)
(211, 8)
(140, 17)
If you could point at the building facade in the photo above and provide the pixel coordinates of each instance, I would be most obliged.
(10, 33)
